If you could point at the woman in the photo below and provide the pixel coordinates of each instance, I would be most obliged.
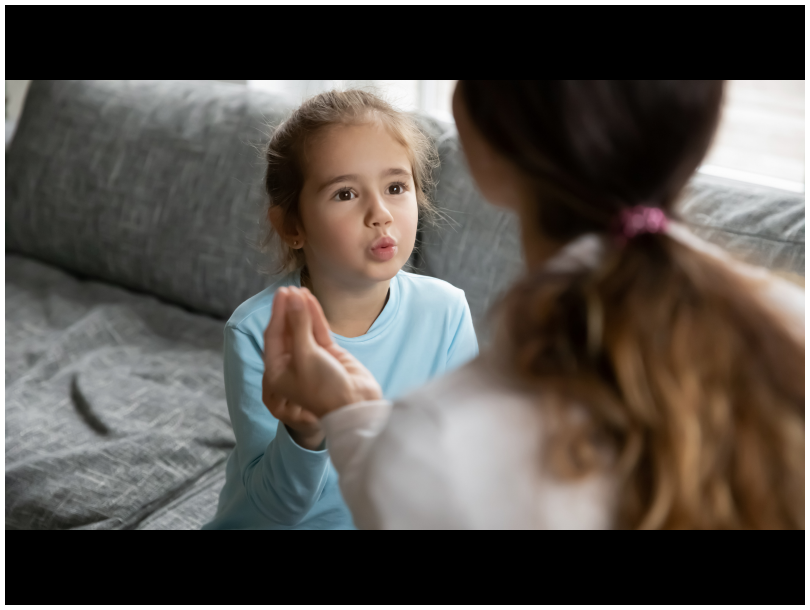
(640, 378)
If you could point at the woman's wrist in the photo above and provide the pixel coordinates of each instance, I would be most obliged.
(354, 396)
(310, 442)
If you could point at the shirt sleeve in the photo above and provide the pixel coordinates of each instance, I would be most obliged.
(464, 346)
(281, 479)
(393, 474)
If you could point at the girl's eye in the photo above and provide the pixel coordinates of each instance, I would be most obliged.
(344, 195)
(397, 188)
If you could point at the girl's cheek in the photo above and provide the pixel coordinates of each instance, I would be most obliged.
(344, 236)
(338, 235)
(410, 219)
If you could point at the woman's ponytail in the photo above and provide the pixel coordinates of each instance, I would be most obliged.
(695, 393)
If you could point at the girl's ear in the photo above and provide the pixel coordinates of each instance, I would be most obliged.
(293, 238)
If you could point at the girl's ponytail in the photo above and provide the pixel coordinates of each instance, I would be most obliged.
(692, 389)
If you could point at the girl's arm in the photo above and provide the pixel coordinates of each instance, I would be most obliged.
(281, 479)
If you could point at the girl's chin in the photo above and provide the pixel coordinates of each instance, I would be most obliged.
(384, 270)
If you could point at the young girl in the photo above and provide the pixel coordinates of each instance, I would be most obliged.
(346, 178)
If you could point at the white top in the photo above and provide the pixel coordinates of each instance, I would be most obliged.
(465, 451)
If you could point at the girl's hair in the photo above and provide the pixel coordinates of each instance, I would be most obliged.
(693, 386)
(284, 177)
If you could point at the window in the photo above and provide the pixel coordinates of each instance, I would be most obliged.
(760, 139)
(430, 96)
(761, 134)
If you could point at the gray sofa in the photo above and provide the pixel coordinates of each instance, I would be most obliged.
(132, 214)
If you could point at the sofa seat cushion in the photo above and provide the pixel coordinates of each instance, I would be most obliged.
(115, 403)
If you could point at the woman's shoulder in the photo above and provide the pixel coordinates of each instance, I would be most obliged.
(780, 296)
(479, 384)
(481, 434)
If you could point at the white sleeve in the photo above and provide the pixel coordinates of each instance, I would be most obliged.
(350, 433)
(393, 474)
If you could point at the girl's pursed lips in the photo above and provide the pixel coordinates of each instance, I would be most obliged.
(384, 248)
(386, 241)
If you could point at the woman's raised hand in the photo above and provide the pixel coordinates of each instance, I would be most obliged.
(304, 365)
(303, 426)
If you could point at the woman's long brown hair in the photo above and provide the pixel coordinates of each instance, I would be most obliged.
(693, 389)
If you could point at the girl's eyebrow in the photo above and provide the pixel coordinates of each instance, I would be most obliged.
(392, 171)
(331, 181)
(396, 171)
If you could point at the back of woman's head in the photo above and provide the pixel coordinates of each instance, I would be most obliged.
(693, 384)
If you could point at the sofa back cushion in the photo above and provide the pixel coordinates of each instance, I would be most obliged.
(156, 186)
(474, 245)
(760, 225)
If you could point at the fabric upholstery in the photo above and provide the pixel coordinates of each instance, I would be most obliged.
(115, 403)
(473, 245)
(760, 225)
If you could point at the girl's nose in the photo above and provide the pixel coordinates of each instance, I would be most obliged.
(378, 214)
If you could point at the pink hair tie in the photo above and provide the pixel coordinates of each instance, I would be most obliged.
(639, 220)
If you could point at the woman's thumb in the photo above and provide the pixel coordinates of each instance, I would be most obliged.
(300, 322)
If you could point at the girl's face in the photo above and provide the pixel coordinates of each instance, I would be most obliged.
(358, 204)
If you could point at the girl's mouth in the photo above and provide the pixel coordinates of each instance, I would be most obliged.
(384, 248)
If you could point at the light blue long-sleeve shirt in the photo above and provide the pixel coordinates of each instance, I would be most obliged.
(271, 482)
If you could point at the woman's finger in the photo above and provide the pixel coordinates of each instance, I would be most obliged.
(320, 327)
(306, 417)
(274, 333)
(292, 414)
(300, 324)
(274, 403)
(340, 354)
(360, 374)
